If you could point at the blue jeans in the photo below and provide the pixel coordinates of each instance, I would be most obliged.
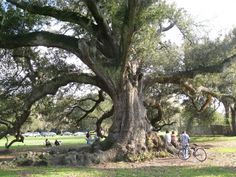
(185, 153)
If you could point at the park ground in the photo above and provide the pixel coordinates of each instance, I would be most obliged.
(221, 162)
(220, 154)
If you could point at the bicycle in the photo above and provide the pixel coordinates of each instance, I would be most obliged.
(198, 152)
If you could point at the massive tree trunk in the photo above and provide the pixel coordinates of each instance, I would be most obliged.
(233, 116)
(227, 109)
(127, 136)
(130, 124)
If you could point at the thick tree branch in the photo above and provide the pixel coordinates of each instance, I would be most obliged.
(18, 138)
(51, 86)
(100, 31)
(42, 38)
(62, 15)
(104, 36)
(7, 123)
(92, 6)
(98, 101)
(149, 81)
(41, 91)
(217, 68)
(161, 126)
(128, 29)
(164, 29)
(179, 77)
(191, 93)
(151, 102)
(76, 106)
(204, 105)
(47, 39)
(100, 120)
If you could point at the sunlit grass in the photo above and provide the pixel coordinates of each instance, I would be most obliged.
(195, 139)
(223, 150)
(212, 138)
(39, 142)
(31, 142)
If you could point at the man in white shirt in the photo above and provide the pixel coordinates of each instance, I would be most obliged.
(184, 139)
(167, 138)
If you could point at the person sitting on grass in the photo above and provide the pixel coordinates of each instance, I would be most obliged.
(57, 143)
(88, 138)
(48, 143)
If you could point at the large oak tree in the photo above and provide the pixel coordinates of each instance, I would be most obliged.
(116, 40)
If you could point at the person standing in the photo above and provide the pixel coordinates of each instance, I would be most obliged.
(57, 143)
(167, 138)
(48, 143)
(174, 139)
(184, 139)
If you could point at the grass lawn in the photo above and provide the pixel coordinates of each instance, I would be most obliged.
(224, 150)
(139, 172)
(212, 138)
(39, 142)
(31, 142)
(200, 139)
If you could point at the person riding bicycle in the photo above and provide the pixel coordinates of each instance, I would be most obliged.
(184, 139)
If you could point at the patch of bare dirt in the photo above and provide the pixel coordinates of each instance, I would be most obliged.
(214, 158)
(6, 155)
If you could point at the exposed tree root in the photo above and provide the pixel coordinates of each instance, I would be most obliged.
(93, 154)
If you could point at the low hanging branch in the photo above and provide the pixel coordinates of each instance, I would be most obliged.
(151, 102)
(163, 125)
(38, 92)
(101, 119)
(204, 106)
(7, 123)
(100, 99)
(76, 106)
(191, 93)
(156, 121)
(179, 77)
(18, 138)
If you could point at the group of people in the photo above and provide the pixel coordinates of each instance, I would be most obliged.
(49, 144)
(89, 140)
(171, 139)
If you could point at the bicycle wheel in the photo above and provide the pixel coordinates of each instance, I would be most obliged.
(181, 153)
(200, 154)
